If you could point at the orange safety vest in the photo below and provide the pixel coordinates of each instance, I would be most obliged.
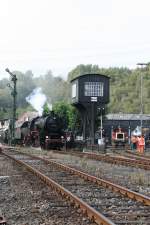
(141, 141)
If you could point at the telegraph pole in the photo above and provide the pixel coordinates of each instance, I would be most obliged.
(14, 94)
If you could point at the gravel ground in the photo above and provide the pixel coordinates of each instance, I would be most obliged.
(24, 200)
(113, 205)
(132, 178)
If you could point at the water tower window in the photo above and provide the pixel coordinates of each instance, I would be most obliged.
(74, 90)
(93, 89)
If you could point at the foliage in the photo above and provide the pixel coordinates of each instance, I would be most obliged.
(125, 91)
(62, 109)
(67, 112)
(82, 69)
(46, 109)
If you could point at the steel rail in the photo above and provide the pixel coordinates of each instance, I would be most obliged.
(129, 162)
(138, 155)
(118, 160)
(101, 182)
(74, 200)
(114, 187)
(109, 159)
(132, 162)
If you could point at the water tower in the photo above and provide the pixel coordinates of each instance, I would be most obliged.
(90, 93)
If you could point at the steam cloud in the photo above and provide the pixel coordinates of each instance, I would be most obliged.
(37, 99)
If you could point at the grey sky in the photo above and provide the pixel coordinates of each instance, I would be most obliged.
(58, 35)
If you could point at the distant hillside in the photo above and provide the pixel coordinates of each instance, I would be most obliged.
(125, 89)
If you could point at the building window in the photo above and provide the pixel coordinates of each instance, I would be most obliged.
(93, 89)
(74, 90)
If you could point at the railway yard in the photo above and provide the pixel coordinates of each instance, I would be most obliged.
(75, 145)
(56, 187)
(90, 178)
(25, 200)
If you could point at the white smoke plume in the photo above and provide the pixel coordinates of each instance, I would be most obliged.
(37, 99)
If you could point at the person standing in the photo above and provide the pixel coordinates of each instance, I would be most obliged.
(133, 142)
(141, 143)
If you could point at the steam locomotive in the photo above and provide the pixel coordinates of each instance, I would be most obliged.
(43, 131)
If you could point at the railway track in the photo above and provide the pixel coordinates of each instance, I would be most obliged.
(138, 158)
(122, 160)
(138, 155)
(119, 160)
(142, 162)
(102, 201)
(25, 199)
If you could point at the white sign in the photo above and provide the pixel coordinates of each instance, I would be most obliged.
(101, 141)
(93, 99)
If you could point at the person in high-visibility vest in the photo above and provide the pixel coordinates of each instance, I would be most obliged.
(141, 143)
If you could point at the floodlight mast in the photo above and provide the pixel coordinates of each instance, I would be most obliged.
(141, 92)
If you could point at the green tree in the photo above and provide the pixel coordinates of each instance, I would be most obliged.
(46, 109)
(67, 112)
(82, 69)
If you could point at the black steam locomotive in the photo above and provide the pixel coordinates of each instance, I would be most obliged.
(43, 131)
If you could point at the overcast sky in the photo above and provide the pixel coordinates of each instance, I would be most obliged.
(58, 35)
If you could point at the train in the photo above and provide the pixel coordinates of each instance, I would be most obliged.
(46, 132)
(119, 137)
(50, 132)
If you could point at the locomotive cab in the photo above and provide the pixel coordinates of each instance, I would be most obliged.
(119, 137)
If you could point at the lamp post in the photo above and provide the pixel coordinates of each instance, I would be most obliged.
(101, 110)
(14, 94)
(141, 92)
